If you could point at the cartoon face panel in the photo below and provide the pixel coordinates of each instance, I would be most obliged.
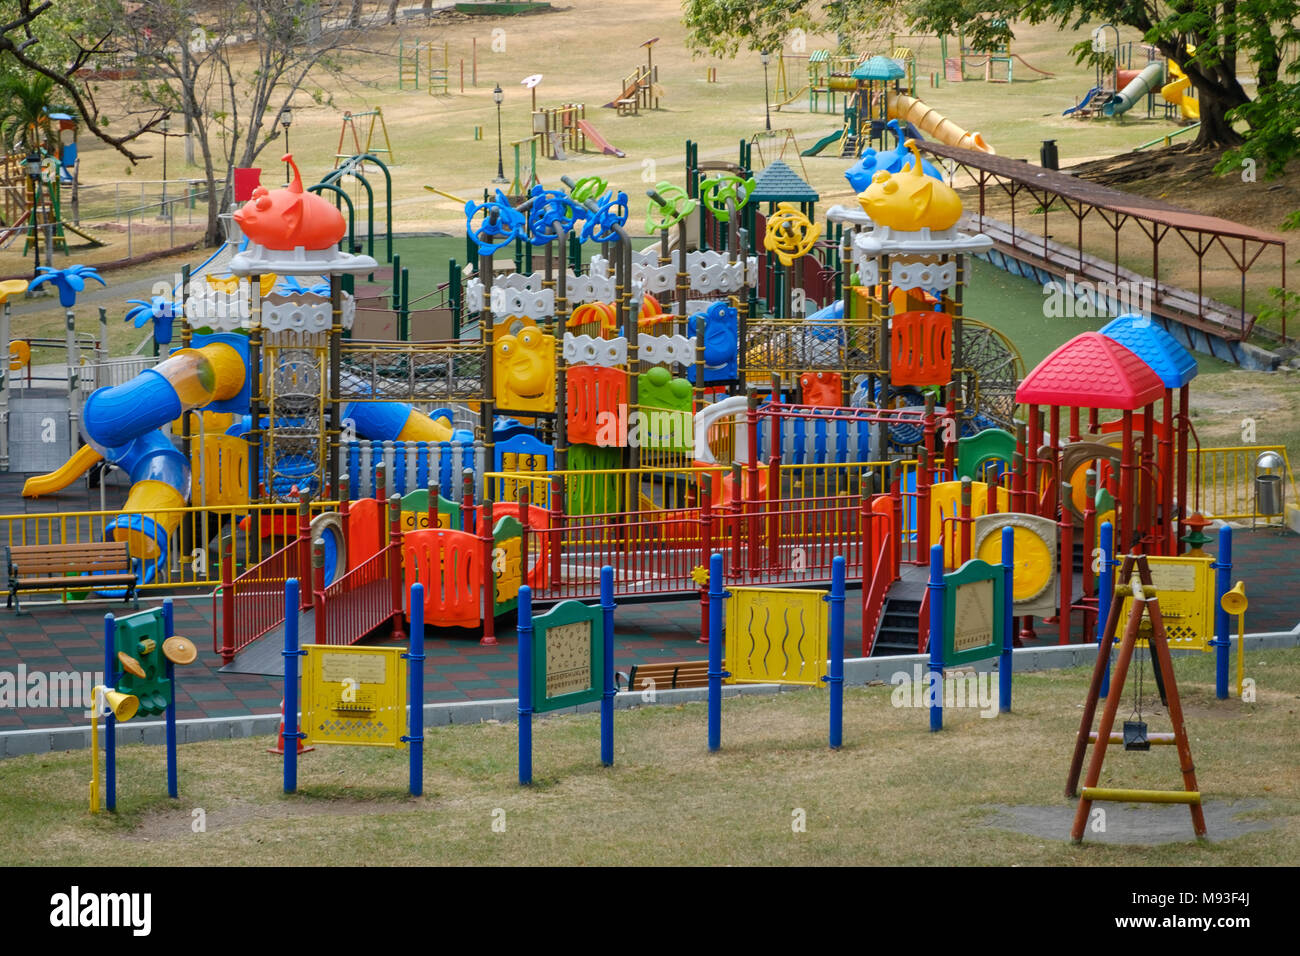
(524, 369)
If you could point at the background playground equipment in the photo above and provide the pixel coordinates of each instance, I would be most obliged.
(641, 89)
(1136, 572)
(790, 623)
(563, 129)
(141, 652)
(566, 659)
(970, 621)
(1180, 92)
(991, 59)
(350, 124)
(356, 696)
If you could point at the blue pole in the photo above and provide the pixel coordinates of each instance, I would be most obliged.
(1008, 602)
(415, 696)
(1222, 583)
(169, 628)
(1105, 594)
(110, 722)
(525, 629)
(836, 676)
(291, 734)
(716, 596)
(607, 698)
(936, 587)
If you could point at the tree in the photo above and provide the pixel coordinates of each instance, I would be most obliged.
(719, 27)
(26, 102)
(1226, 35)
(231, 93)
(43, 47)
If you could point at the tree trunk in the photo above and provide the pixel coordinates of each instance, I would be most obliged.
(354, 17)
(392, 11)
(428, 8)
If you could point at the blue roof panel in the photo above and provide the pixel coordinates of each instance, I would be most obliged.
(1174, 365)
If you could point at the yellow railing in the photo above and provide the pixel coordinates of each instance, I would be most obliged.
(178, 547)
(1225, 480)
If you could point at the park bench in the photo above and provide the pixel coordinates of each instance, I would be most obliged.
(62, 567)
(665, 675)
(628, 106)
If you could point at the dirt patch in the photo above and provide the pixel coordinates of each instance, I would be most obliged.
(163, 826)
(1135, 824)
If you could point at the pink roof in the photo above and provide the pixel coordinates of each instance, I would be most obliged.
(1091, 371)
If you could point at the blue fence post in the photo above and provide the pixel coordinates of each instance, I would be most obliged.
(415, 696)
(716, 596)
(836, 676)
(169, 628)
(291, 653)
(525, 630)
(110, 722)
(936, 587)
(1222, 584)
(1105, 594)
(607, 697)
(1008, 610)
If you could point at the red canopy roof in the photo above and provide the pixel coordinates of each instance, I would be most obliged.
(1091, 371)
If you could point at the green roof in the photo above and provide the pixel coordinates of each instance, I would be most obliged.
(779, 183)
(879, 68)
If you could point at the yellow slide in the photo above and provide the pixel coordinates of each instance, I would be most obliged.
(1176, 92)
(907, 109)
(60, 478)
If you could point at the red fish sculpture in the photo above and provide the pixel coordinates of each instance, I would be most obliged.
(289, 218)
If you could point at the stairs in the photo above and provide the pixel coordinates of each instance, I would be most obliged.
(899, 620)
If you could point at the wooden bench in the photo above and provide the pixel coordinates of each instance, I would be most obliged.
(64, 567)
(665, 675)
(631, 106)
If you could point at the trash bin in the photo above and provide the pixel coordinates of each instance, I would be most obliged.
(1268, 495)
(1047, 156)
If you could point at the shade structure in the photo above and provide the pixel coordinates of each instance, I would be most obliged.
(879, 68)
(1091, 371)
(1168, 359)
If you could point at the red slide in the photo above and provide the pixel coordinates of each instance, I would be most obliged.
(590, 132)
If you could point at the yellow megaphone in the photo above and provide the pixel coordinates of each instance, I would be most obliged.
(122, 706)
(1234, 602)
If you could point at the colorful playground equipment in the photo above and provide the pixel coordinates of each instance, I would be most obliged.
(754, 384)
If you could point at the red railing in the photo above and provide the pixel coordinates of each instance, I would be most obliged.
(360, 601)
(253, 602)
(877, 531)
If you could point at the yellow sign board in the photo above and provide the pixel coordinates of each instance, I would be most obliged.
(776, 636)
(1184, 587)
(354, 695)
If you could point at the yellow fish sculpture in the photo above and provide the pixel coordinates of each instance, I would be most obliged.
(910, 200)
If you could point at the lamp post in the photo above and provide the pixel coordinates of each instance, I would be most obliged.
(286, 120)
(163, 126)
(33, 162)
(767, 107)
(497, 97)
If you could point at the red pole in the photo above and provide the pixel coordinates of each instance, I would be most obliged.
(751, 482)
(1126, 467)
(345, 506)
(706, 517)
(304, 547)
(467, 501)
(868, 563)
(1177, 546)
(734, 510)
(1166, 542)
(896, 494)
(966, 521)
(228, 601)
(395, 563)
(489, 579)
(923, 477)
(1032, 441)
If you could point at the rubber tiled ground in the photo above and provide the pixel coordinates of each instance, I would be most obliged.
(67, 638)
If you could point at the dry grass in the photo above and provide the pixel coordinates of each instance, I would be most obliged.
(895, 794)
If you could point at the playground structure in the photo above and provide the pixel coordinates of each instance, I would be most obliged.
(560, 130)
(640, 88)
(370, 147)
(1119, 86)
(636, 409)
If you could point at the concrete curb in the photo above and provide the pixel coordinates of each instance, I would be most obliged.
(857, 672)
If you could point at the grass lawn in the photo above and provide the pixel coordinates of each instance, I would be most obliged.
(895, 794)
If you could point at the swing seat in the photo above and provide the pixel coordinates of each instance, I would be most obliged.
(1135, 735)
